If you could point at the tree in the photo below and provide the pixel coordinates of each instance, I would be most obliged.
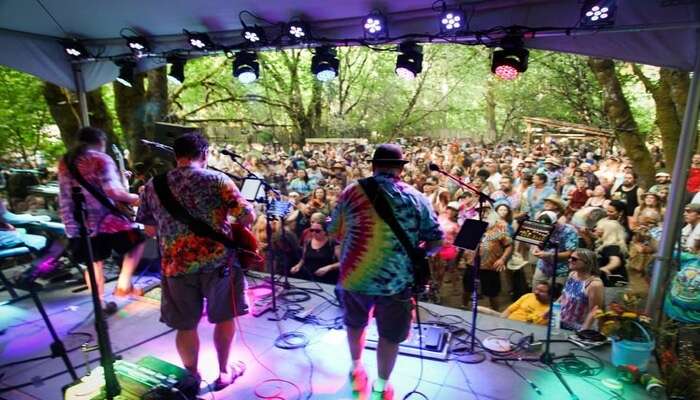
(22, 119)
(619, 114)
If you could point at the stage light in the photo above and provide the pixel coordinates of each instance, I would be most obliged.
(177, 69)
(297, 31)
(325, 64)
(598, 12)
(74, 49)
(409, 62)
(508, 63)
(245, 67)
(200, 41)
(452, 21)
(138, 45)
(126, 72)
(253, 34)
(375, 25)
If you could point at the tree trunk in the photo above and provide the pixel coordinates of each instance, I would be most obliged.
(128, 101)
(60, 105)
(620, 116)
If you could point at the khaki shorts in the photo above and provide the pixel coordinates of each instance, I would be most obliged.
(182, 298)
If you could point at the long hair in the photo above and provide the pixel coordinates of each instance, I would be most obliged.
(589, 259)
(614, 234)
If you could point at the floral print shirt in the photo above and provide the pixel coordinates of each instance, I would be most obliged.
(101, 172)
(207, 195)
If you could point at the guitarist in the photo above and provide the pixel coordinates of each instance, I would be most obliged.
(375, 266)
(195, 266)
(88, 166)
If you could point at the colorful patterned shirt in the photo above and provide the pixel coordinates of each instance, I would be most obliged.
(101, 172)
(566, 237)
(207, 195)
(372, 260)
(493, 245)
(574, 302)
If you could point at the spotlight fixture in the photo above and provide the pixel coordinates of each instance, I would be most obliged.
(126, 72)
(452, 21)
(199, 41)
(138, 45)
(74, 49)
(598, 12)
(509, 62)
(245, 67)
(297, 31)
(253, 34)
(324, 64)
(409, 62)
(375, 26)
(177, 69)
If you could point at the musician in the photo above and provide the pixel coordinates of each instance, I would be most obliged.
(195, 267)
(109, 230)
(375, 270)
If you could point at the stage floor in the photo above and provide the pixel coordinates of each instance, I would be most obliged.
(320, 369)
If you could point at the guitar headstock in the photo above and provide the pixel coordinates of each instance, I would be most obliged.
(117, 152)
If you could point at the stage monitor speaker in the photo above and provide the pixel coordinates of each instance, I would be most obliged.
(166, 133)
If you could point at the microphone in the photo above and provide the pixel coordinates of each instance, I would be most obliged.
(434, 167)
(157, 145)
(229, 153)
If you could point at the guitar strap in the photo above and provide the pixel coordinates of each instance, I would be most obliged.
(97, 194)
(177, 211)
(383, 209)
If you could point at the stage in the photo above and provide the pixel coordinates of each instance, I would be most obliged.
(320, 369)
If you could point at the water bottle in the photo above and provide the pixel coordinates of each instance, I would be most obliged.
(556, 318)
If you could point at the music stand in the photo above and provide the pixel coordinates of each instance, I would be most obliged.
(539, 234)
(469, 238)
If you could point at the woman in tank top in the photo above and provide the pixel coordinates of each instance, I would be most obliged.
(319, 261)
(583, 290)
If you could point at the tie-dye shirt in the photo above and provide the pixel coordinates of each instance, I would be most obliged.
(207, 195)
(101, 172)
(372, 260)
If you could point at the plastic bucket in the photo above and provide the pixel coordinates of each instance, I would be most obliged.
(627, 352)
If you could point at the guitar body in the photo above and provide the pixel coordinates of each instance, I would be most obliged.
(421, 274)
(248, 254)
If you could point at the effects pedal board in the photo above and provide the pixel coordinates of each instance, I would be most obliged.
(436, 340)
(150, 378)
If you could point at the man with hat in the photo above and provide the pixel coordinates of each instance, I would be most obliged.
(690, 235)
(375, 269)
(663, 179)
(564, 236)
(551, 169)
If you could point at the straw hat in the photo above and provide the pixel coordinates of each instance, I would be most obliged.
(554, 199)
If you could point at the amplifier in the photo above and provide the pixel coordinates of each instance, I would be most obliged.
(436, 340)
(149, 379)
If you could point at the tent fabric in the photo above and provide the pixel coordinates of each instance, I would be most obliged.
(655, 32)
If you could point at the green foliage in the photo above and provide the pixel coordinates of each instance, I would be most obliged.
(23, 121)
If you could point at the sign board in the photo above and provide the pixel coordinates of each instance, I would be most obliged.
(532, 232)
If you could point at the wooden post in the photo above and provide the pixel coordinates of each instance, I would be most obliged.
(528, 144)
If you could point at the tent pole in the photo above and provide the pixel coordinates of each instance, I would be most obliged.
(82, 98)
(673, 218)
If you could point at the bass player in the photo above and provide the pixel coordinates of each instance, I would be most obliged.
(111, 229)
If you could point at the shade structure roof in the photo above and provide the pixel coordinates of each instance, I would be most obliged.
(656, 32)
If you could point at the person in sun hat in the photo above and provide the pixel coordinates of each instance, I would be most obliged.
(375, 269)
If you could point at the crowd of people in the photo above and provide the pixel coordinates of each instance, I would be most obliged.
(338, 230)
(607, 226)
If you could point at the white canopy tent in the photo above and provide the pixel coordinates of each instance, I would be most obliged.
(656, 32)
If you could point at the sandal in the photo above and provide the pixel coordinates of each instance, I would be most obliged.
(358, 380)
(236, 369)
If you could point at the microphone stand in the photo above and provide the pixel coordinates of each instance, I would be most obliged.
(547, 358)
(106, 355)
(483, 197)
(268, 226)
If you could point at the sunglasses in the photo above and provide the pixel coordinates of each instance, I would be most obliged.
(574, 259)
(315, 230)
